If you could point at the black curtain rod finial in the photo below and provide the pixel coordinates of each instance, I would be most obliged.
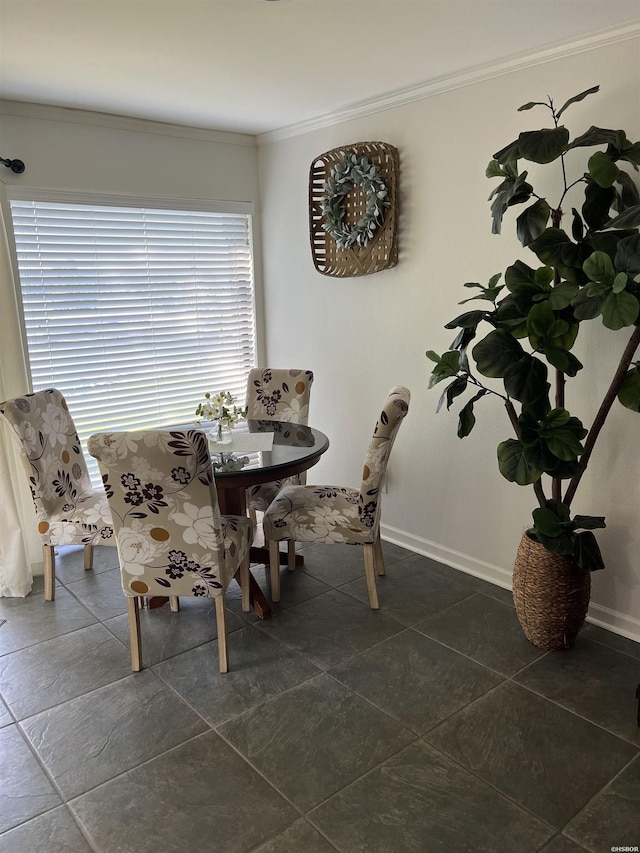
(16, 166)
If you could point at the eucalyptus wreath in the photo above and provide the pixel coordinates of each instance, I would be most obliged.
(347, 174)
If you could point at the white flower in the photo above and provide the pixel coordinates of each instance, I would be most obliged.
(120, 444)
(55, 425)
(136, 549)
(199, 525)
(29, 436)
(62, 533)
(98, 514)
(326, 516)
(294, 412)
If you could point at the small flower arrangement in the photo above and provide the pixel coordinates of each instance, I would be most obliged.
(221, 407)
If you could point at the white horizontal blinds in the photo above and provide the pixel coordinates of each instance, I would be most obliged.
(133, 313)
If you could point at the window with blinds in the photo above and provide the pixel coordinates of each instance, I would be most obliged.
(134, 312)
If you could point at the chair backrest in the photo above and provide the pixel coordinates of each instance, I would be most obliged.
(162, 496)
(375, 464)
(279, 395)
(51, 452)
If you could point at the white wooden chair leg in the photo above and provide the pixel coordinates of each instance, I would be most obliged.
(245, 591)
(370, 573)
(174, 603)
(134, 634)
(49, 572)
(377, 550)
(274, 569)
(291, 555)
(88, 556)
(221, 619)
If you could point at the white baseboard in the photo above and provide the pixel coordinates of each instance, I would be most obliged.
(612, 620)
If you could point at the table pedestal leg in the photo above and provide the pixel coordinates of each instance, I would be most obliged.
(233, 502)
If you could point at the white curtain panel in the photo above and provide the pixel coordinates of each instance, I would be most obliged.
(20, 548)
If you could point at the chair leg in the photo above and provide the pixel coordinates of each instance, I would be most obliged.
(274, 569)
(221, 619)
(245, 589)
(134, 633)
(253, 516)
(88, 556)
(49, 572)
(370, 573)
(377, 551)
(174, 603)
(291, 555)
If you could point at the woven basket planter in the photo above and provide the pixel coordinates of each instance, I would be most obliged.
(551, 596)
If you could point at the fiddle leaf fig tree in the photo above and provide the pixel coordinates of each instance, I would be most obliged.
(585, 266)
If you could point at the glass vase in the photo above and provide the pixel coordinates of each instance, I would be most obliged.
(223, 433)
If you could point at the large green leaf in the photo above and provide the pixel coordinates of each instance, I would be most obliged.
(586, 552)
(562, 294)
(539, 322)
(457, 387)
(620, 310)
(563, 360)
(597, 204)
(576, 98)
(532, 222)
(468, 320)
(589, 522)
(526, 380)
(543, 146)
(586, 307)
(467, 419)
(496, 353)
(631, 153)
(547, 331)
(547, 523)
(599, 267)
(556, 418)
(511, 191)
(630, 218)
(509, 153)
(447, 366)
(629, 195)
(531, 104)
(602, 169)
(595, 136)
(561, 545)
(563, 443)
(555, 249)
(629, 393)
(513, 464)
(627, 257)
(577, 225)
(494, 170)
(519, 273)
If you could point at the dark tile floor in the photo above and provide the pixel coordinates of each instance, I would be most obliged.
(432, 725)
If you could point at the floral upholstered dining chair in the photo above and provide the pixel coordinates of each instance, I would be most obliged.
(338, 514)
(171, 538)
(69, 511)
(276, 395)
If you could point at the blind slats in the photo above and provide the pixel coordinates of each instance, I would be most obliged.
(133, 313)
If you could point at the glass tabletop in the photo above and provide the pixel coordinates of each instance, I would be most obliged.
(292, 444)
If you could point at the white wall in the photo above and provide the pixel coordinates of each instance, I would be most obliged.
(360, 336)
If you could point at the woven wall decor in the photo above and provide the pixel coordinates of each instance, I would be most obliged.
(381, 250)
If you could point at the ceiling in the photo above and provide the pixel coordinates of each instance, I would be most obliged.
(255, 66)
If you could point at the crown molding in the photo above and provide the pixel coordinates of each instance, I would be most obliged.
(47, 112)
(437, 86)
